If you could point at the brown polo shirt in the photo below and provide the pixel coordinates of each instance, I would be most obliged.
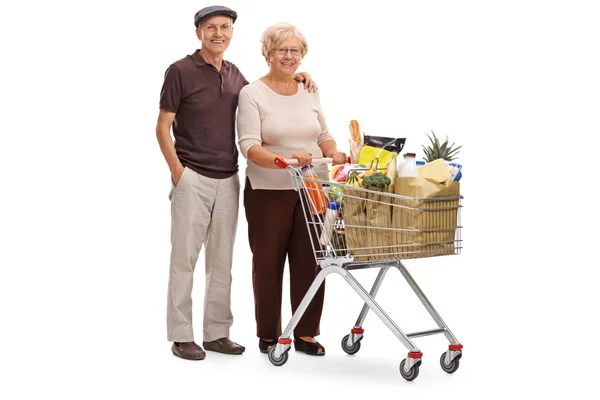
(204, 101)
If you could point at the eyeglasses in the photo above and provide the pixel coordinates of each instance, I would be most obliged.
(213, 28)
(283, 51)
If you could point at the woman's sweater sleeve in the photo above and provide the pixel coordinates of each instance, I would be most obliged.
(248, 122)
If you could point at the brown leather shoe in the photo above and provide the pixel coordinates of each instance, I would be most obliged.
(224, 345)
(188, 350)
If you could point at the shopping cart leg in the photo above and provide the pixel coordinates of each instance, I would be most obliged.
(369, 301)
(351, 342)
(372, 304)
(434, 314)
(284, 342)
(449, 359)
(409, 367)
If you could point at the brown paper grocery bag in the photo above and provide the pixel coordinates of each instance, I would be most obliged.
(368, 223)
(425, 225)
(379, 223)
(355, 221)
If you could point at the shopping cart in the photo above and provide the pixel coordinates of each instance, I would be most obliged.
(373, 229)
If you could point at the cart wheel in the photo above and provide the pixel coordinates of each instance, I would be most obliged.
(277, 361)
(453, 366)
(350, 349)
(412, 374)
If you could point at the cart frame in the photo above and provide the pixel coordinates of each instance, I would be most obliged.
(331, 261)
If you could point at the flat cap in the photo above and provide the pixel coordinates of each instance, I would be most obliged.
(213, 10)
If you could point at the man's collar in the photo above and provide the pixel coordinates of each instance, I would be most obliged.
(200, 62)
(198, 59)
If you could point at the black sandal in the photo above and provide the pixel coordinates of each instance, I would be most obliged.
(264, 346)
(308, 347)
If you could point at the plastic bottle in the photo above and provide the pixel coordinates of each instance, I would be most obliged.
(401, 162)
(408, 166)
(331, 216)
(315, 194)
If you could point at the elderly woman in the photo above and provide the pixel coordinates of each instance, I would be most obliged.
(277, 117)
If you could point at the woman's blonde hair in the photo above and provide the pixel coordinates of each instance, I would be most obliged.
(276, 34)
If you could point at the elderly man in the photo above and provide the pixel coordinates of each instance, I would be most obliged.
(198, 100)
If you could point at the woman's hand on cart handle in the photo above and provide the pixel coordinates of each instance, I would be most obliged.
(339, 158)
(304, 158)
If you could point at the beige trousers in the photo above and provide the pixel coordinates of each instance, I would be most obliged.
(203, 211)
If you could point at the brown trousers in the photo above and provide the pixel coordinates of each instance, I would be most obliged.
(276, 229)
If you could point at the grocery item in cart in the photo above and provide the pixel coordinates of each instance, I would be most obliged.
(339, 173)
(355, 141)
(393, 145)
(318, 200)
(355, 217)
(380, 148)
(378, 211)
(329, 222)
(367, 217)
(426, 221)
(335, 193)
(436, 170)
(408, 166)
(392, 172)
(455, 169)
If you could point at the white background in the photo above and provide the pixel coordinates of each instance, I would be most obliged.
(85, 217)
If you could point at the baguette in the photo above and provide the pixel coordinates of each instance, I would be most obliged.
(355, 131)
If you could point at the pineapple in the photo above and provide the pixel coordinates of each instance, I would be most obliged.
(437, 150)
